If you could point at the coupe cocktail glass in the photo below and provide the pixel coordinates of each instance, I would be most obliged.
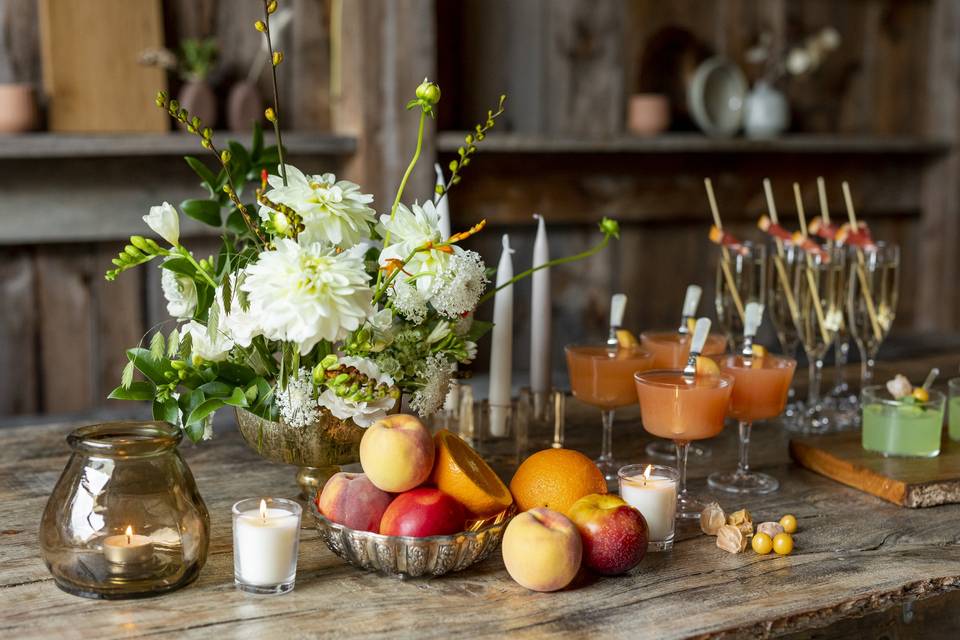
(670, 350)
(872, 300)
(604, 379)
(747, 268)
(819, 292)
(683, 409)
(759, 393)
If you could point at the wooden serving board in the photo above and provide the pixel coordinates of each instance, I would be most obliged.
(907, 482)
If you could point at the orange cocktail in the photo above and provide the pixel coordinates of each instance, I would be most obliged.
(683, 409)
(759, 393)
(604, 379)
(671, 349)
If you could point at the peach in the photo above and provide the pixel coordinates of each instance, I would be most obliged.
(614, 534)
(352, 500)
(423, 512)
(542, 550)
(397, 453)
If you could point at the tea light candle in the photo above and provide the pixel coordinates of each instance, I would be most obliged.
(654, 493)
(128, 548)
(265, 545)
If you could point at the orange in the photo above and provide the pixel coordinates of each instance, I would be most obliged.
(461, 473)
(555, 478)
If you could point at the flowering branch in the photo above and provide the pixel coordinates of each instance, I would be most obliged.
(276, 57)
(608, 227)
(480, 132)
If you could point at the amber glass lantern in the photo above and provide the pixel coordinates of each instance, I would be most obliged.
(125, 520)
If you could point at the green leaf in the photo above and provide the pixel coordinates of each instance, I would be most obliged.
(271, 157)
(204, 299)
(235, 222)
(194, 431)
(478, 329)
(180, 266)
(206, 175)
(237, 398)
(140, 390)
(154, 368)
(173, 344)
(206, 211)
(166, 411)
(203, 410)
(236, 374)
(217, 389)
(158, 345)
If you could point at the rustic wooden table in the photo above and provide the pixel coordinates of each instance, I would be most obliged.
(861, 565)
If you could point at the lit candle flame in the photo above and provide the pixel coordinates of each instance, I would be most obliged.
(129, 533)
(646, 473)
(263, 509)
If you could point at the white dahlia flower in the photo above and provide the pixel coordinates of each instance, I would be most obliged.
(410, 229)
(304, 294)
(334, 212)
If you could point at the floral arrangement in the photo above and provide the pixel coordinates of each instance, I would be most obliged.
(314, 304)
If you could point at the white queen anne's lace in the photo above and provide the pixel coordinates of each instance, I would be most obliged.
(459, 287)
(435, 373)
(297, 403)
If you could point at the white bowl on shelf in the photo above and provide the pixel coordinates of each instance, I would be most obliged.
(716, 96)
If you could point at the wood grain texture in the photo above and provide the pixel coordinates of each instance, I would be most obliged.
(18, 333)
(855, 555)
(91, 67)
(908, 482)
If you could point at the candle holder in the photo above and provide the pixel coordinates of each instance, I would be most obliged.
(266, 539)
(545, 420)
(652, 490)
(125, 520)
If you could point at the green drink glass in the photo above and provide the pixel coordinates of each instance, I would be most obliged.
(902, 427)
(953, 421)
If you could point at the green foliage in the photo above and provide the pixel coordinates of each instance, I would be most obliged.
(197, 57)
(465, 152)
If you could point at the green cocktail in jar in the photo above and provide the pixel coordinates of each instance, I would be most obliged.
(904, 427)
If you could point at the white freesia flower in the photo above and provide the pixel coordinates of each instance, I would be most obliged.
(409, 230)
(459, 287)
(434, 374)
(471, 348)
(211, 348)
(362, 413)
(165, 222)
(334, 211)
(297, 403)
(307, 294)
(180, 292)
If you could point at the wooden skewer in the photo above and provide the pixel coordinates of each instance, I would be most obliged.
(824, 209)
(811, 282)
(861, 272)
(778, 259)
(725, 254)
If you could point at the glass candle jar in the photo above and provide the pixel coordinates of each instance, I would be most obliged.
(652, 490)
(266, 540)
(901, 427)
(125, 520)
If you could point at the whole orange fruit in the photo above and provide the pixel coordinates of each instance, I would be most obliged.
(555, 479)
(461, 473)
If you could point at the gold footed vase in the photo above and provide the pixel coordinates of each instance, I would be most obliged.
(317, 449)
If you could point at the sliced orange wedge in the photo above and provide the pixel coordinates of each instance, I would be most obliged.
(461, 473)
(707, 366)
(626, 339)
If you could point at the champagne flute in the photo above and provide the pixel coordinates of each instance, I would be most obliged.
(872, 300)
(741, 279)
(781, 307)
(818, 290)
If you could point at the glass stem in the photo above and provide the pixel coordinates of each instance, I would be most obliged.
(682, 446)
(866, 370)
(606, 447)
(842, 357)
(743, 466)
(816, 374)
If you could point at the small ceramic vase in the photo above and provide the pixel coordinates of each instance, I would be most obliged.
(18, 108)
(648, 114)
(767, 111)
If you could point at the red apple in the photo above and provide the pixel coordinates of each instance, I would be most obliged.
(614, 533)
(352, 500)
(423, 512)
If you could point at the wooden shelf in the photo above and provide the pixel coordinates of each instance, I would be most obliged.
(66, 145)
(694, 143)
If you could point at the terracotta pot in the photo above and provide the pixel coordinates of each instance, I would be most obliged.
(18, 108)
(199, 100)
(648, 114)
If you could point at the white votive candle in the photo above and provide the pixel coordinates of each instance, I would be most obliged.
(652, 490)
(266, 539)
(128, 548)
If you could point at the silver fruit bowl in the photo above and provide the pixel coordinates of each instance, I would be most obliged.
(408, 557)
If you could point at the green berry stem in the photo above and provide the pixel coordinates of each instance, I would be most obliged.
(276, 93)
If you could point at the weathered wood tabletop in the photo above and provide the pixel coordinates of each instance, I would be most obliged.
(855, 555)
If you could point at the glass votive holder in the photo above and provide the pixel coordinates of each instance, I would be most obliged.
(652, 490)
(953, 419)
(125, 519)
(900, 428)
(266, 539)
(544, 418)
